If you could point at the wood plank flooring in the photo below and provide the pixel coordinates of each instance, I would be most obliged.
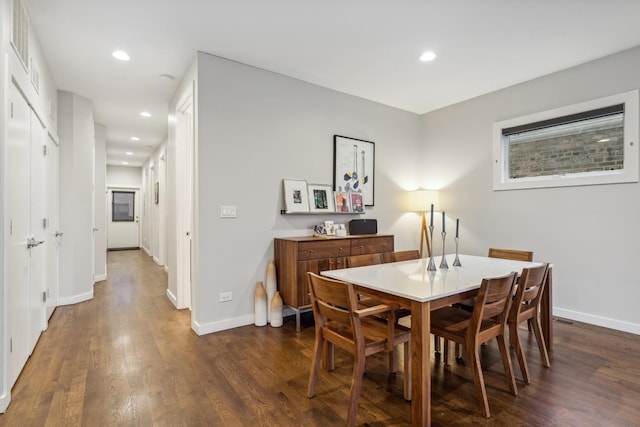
(128, 358)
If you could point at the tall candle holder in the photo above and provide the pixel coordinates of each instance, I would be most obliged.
(443, 262)
(432, 264)
(456, 262)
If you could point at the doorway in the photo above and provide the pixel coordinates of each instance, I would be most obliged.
(123, 218)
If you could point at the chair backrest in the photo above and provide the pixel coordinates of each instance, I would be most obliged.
(334, 300)
(529, 290)
(366, 259)
(405, 255)
(493, 302)
(513, 254)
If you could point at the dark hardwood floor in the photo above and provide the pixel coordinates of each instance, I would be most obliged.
(128, 358)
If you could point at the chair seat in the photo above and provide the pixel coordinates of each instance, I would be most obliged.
(372, 331)
(455, 321)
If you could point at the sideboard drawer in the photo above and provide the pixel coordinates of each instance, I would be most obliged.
(372, 245)
(323, 249)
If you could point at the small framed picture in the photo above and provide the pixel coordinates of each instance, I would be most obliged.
(343, 202)
(357, 204)
(321, 198)
(331, 230)
(295, 195)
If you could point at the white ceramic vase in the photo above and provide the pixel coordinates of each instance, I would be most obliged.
(276, 310)
(272, 285)
(260, 308)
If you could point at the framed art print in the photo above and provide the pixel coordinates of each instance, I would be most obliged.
(295, 195)
(354, 167)
(343, 202)
(320, 198)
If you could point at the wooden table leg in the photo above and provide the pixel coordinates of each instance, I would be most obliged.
(420, 364)
(546, 314)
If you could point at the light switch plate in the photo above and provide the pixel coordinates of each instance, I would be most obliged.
(228, 212)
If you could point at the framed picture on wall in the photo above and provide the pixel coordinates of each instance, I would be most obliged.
(321, 198)
(295, 195)
(354, 167)
(343, 202)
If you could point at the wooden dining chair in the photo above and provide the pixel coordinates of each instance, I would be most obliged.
(340, 322)
(362, 260)
(375, 259)
(512, 254)
(405, 255)
(526, 307)
(487, 320)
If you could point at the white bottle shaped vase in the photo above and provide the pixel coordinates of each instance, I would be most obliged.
(272, 286)
(276, 310)
(260, 308)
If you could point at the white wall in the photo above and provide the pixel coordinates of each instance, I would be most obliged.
(100, 204)
(256, 128)
(124, 176)
(76, 129)
(589, 233)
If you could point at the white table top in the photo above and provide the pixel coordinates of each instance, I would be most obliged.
(411, 280)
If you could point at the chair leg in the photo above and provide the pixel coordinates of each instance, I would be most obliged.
(436, 343)
(508, 368)
(537, 329)
(315, 365)
(478, 378)
(392, 364)
(356, 383)
(458, 352)
(445, 351)
(514, 341)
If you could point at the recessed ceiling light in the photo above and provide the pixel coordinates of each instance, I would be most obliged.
(604, 140)
(135, 138)
(428, 56)
(167, 77)
(129, 153)
(121, 55)
(125, 163)
(145, 114)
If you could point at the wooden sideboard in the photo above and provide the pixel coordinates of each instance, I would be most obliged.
(295, 256)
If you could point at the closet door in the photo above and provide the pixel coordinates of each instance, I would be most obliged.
(18, 223)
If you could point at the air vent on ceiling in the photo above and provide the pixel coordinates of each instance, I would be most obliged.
(20, 32)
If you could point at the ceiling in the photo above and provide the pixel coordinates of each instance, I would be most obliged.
(367, 48)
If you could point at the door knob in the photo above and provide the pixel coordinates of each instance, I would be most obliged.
(59, 233)
(32, 242)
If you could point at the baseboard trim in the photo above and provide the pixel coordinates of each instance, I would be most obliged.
(222, 325)
(172, 298)
(75, 299)
(100, 278)
(605, 322)
(5, 400)
(156, 260)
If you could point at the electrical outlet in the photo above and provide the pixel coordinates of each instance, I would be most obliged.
(228, 212)
(225, 296)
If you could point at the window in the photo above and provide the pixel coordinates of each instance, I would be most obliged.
(590, 143)
(123, 207)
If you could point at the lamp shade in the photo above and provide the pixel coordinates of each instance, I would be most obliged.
(421, 200)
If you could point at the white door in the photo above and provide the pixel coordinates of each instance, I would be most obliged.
(123, 222)
(184, 214)
(53, 234)
(38, 230)
(17, 230)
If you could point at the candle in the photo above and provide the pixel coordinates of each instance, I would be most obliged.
(431, 215)
(457, 227)
(443, 221)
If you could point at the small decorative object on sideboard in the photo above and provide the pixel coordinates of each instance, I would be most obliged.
(260, 305)
(341, 230)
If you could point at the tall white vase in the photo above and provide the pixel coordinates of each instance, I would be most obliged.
(260, 307)
(276, 310)
(272, 286)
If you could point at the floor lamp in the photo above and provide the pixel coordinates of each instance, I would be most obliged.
(424, 201)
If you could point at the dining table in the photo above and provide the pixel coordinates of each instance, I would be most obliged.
(411, 285)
